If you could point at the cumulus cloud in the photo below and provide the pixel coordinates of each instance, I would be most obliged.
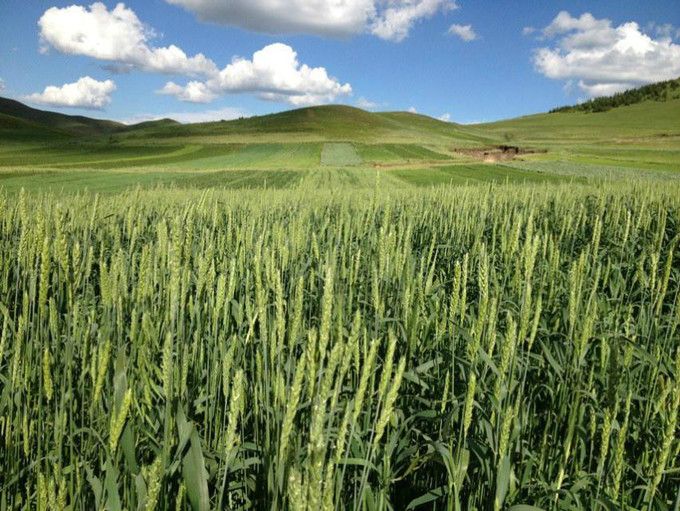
(366, 104)
(396, 21)
(192, 92)
(274, 73)
(388, 19)
(665, 30)
(120, 38)
(85, 93)
(222, 114)
(465, 32)
(445, 117)
(117, 36)
(602, 58)
(412, 110)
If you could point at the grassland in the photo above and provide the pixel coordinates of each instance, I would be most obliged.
(334, 309)
(645, 136)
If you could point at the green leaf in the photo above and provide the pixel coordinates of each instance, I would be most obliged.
(525, 507)
(140, 487)
(195, 475)
(96, 486)
(502, 481)
(111, 486)
(127, 443)
(430, 496)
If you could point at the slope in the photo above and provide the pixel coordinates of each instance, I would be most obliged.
(321, 123)
(76, 125)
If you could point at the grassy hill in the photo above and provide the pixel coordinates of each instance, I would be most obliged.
(660, 91)
(321, 123)
(644, 135)
(75, 125)
(335, 144)
(14, 129)
(645, 120)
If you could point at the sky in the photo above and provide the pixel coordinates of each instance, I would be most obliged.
(463, 61)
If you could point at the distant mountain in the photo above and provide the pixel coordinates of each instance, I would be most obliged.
(328, 122)
(661, 91)
(75, 125)
(159, 123)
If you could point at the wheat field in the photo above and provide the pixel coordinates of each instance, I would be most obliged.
(480, 347)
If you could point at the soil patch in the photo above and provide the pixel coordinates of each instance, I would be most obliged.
(498, 153)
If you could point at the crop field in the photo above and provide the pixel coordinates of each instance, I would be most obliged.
(328, 308)
(462, 174)
(377, 153)
(185, 157)
(340, 155)
(471, 347)
(117, 181)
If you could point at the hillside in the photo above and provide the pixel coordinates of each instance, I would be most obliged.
(42, 120)
(320, 123)
(652, 120)
(19, 130)
(311, 124)
(660, 91)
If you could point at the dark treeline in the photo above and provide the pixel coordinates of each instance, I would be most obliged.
(661, 91)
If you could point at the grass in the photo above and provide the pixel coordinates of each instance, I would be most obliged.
(640, 124)
(469, 347)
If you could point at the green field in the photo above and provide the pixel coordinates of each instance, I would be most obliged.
(515, 344)
(338, 154)
(335, 309)
(76, 154)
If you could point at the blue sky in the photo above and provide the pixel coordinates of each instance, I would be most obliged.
(467, 60)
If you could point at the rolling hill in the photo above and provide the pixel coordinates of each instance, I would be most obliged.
(660, 91)
(337, 140)
(39, 120)
(311, 124)
(315, 124)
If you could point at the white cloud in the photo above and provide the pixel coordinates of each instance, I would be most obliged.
(120, 38)
(366, 104)
(465, 32)
(222, 114)
(445, 117)
(395, 23)
(2, 85)
(117, 36)
(528, 30)
(412, 110)
(665, 30)
(192, 92)
(603, 58)
(388, 19)
(85, 93)
(274, 74)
